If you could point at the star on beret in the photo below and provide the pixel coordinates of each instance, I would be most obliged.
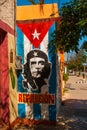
(35, 54)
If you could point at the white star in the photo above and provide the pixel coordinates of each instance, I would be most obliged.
(35, 54)
(36, 34)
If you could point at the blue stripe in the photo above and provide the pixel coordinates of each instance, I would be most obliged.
(21, 111)
(52, 81)
(37, 111)
(20, 52)
(19, 82)
(20, 44)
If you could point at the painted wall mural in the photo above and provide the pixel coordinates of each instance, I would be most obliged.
(36, 62)
(8, 93)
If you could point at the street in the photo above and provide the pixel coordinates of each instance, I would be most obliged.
(73, 114)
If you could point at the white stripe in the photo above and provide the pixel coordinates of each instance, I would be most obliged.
(44, 107)
(44, 112)
(29, 111)
(45, 88)
(27, 47)
(44, 44)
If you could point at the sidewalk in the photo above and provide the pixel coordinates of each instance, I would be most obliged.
(77, 87)
(73, 113)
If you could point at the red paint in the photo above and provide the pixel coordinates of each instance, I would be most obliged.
(4, 71)
(6, 27)
(4, 77)
(37, 98)
(41, 27)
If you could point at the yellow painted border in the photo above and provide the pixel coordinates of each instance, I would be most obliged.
(37, 12)
(12, 92)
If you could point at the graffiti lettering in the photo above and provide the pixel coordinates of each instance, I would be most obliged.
(36, 98)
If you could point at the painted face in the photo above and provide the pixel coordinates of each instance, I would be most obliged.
(36, 66)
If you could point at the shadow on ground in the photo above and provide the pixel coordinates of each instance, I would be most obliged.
(75, 103)
(72, 116)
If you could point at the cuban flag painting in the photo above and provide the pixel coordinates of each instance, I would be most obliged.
(36, 62)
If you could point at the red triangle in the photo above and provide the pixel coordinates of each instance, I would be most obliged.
(40, 28)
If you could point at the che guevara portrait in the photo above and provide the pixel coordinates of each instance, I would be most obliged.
(36, 70)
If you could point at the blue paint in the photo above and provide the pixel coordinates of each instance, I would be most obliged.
(20, 52)
(50, 1)
(23, 2)
(21, 111)
(52, 81)
(52, 59)
(26, 2)
(19, 82)
(37, 111)
(52, 112)
(20, 44)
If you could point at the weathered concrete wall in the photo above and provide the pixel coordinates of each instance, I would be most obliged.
(7, 11)
(7, 17)
(58, 78)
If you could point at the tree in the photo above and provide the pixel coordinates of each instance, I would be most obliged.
(84, 45)
(72, 26)
(82, 10)
(75, 62)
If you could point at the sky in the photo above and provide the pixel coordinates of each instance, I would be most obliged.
(61, 2)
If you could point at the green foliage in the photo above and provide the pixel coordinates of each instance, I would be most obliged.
(65, 77)
(72, 26)
(82, 10)
(72, 66)
(84, 45)
(75, 61)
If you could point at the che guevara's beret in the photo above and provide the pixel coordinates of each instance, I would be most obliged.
(37, 53)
